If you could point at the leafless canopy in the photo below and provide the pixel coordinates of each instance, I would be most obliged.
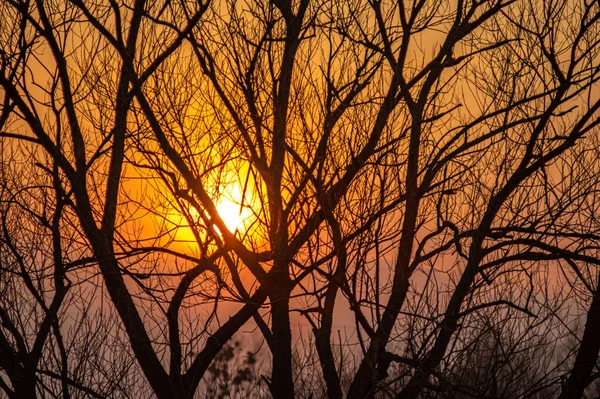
(363, 198)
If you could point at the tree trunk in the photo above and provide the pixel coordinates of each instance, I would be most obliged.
(24, 384)
(587, 355)
(282, 384)
(323, 345)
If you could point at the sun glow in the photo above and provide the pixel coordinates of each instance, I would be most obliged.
(230, 213)
(233, 214)
(234, 205)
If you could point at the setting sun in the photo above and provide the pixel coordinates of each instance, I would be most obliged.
(228, 205)
(231, 215)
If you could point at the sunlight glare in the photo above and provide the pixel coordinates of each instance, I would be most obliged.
(229, 209)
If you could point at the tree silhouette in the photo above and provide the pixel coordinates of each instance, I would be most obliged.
(421, 175)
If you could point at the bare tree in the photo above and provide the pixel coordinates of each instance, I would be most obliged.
(410, 170)
(52, 328)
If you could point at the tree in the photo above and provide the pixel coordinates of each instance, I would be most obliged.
(52, 331)
(402, 167)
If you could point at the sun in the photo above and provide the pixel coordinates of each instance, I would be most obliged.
(233, 207)
(231, 212)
